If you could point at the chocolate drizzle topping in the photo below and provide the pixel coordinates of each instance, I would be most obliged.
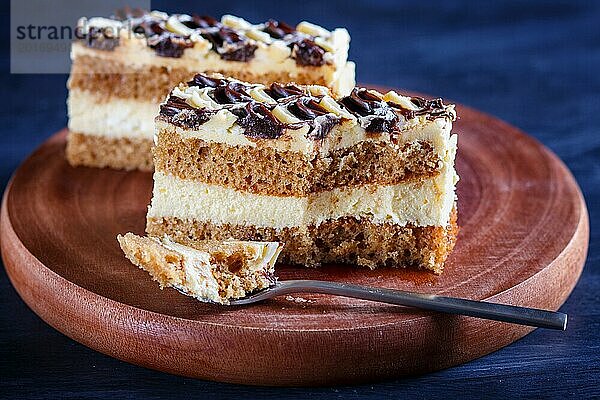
(181, 114)
(304, 49)
(230, 44)
(322, 125)
(431, 108)
(306, 108)
(203, 81)
(230, 93)
(361, 102)
(320, 120)
(204, 21)
(168, 45)
(375, 114)
(278, 91)
(101, 39)
(147, 26)
(278, 29)
(258, 121)
(164, 42)
(308, 53)
(257, 118)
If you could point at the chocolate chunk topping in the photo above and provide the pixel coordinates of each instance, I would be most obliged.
(258, 121)
(101, 38)
(309, 53)
(169, 45)
(278, 29)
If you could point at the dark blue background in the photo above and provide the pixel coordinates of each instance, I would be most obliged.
(535, 64)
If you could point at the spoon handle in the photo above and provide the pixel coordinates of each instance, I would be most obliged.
(479, 309)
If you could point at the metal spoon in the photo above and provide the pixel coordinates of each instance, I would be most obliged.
(450, 305)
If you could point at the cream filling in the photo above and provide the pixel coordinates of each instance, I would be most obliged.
(137, 56)
(117, 118)
(199, 279)
(427, 202)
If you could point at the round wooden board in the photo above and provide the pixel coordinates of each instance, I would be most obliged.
(523, 241)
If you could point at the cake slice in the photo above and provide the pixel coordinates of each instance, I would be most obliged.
(207, 270)
(365, 179)
(124, 66)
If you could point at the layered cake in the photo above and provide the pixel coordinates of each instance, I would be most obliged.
(207, 270)
(365, 179)
(124, 66)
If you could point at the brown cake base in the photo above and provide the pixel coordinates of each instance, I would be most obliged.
(101, 152)
(344, 241)
(153, 83)
(266, 171)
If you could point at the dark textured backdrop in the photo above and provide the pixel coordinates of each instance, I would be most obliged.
(535, 64)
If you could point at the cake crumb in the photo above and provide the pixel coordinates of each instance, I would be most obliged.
(299, 300)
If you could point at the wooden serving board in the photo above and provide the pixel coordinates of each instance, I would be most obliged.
(523, 241)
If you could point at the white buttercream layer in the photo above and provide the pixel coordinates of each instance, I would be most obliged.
(118, 118)
(426, 202)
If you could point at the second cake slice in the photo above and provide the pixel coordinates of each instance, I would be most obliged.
(124, 66)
